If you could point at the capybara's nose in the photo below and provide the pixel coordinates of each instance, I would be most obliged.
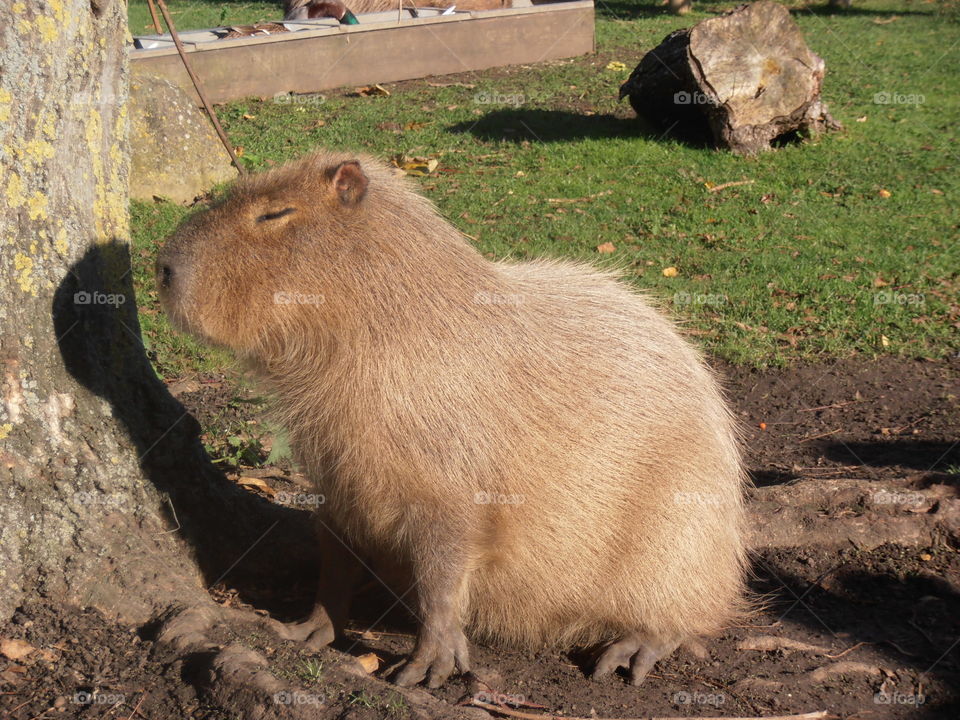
(164, 275)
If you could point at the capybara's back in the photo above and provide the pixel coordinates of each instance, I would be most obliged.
(533, 440)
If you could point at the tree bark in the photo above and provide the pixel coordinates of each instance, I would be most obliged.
(108, 499)
(743, 80)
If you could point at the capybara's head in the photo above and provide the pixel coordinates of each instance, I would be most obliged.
(245, 272)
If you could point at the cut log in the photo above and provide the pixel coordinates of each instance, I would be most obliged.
(741, 80)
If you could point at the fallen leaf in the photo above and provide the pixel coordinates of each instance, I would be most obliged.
(771, 643)
(256, 483)
(763, 426)
(15, 648)
(369, 662)
(885, 341)
(926, 557)
(670, 271)
(884, 193)
(616, 65)
(416, 166)
(183, 385)
(371, 91)
(606, 248)
(249, 117)
(862, 118)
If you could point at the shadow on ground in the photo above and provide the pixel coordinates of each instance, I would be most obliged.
(546, 126)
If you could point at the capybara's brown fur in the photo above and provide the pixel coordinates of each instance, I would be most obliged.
(535, 442)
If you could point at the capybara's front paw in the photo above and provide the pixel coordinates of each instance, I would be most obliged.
(435, 657)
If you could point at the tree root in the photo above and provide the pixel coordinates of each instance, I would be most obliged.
(239, 679)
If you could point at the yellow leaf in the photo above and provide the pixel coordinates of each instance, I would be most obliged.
(257, 484)
(369, 662)
(670, 271)
(616, 66)
(371, 90)
(885, 341)
(416, 166)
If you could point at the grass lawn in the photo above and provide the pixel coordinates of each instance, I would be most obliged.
(846, 244)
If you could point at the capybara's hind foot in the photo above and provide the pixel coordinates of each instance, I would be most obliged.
(313, 633)
(638, 651)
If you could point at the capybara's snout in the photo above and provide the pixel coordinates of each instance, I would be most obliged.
(172, 273)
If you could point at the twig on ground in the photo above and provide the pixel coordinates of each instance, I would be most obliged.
(586, 198)
(828, 407)
(821, 435)
(848, 650)
(724, 186)
(136, 708)
(818, 715)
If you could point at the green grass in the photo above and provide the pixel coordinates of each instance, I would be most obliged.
(809, 260)
(196, 14)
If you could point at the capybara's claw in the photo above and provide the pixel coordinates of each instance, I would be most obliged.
(635, 651)
(435, 659)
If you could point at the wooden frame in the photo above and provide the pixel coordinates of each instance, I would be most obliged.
(320, 55)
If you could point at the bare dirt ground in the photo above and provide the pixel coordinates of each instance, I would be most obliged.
(856, 529)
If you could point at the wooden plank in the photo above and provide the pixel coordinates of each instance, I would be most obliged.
(312, 61)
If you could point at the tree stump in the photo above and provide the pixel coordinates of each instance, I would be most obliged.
(743, 79)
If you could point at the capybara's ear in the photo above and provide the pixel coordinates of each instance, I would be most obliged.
(349, 183)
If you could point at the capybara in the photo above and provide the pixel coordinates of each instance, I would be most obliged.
(533, 443)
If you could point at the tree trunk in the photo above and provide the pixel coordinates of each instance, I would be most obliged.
(743, 80)
(107, 497)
